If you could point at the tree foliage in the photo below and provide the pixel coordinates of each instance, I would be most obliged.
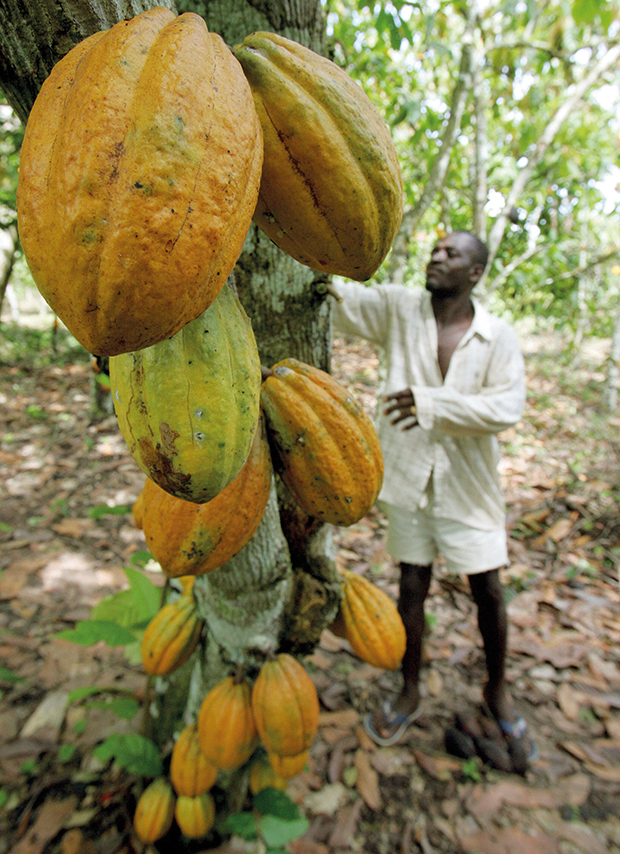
(524, 61)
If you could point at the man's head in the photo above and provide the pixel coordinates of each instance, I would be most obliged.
(456, 264)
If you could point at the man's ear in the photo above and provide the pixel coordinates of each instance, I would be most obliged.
(475, 272)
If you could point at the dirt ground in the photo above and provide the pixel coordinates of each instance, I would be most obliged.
(58, 558)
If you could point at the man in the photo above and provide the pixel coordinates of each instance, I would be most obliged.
(455, 378)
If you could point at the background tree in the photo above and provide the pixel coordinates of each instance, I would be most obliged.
(506, 119)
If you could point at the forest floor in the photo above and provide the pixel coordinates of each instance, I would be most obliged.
(60, 554)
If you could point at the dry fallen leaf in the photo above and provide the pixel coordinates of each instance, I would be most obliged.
(50, 820)
(569, 700)
(367, 782)
(439, 767)
(75, 528)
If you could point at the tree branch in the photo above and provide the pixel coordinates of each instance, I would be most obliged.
(440, 164)
(497, 232)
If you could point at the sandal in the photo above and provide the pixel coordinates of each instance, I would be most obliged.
(516, 730)
(394, 719)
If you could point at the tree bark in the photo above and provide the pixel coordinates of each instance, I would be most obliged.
(35, 34)
(8, 248)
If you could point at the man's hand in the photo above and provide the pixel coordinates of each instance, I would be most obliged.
(403, 403)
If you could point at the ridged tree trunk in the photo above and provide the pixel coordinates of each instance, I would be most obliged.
(281, 589)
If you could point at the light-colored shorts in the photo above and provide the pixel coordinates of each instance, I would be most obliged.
(419, 537)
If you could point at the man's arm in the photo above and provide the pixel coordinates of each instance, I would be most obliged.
(498, 405)
(362, 312)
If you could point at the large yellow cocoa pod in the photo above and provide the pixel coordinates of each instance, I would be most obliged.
(154, 811)
(288, 766)
(285, 706)
(138, 179)
(171, 636)
(187, 538)
(195, 815)
(191, 773)
(262, 776)
(326, 446)
(226, 728)
(331, 190)
(188, 407)
(372, 624)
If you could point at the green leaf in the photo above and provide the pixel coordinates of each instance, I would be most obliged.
(7, 675)
(88, 632)
(106, 510)
(135, 753)
(79, 693)
(66, 752)
(278, 832)
(241, 823)
(133, 607)
(124, 707)
(277, 803)
(141, 558)
(103, 380)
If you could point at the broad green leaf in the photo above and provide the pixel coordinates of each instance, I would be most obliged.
(277, 803)
(278, 832)
(133, 752)
(141, 558)
(241, 823)
(124, 707)
(79, 693)
(106, 510)
(131, 608)
(88, 632)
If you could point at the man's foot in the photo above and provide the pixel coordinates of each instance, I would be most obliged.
(499, 704)
(387, 726)
(499, 708)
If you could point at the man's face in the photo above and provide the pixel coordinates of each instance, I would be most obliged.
(451, 269)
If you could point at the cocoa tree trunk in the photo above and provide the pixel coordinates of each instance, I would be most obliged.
(281, 589)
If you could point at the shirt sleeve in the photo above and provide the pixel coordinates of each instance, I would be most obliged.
(362, 312)
(498, 405)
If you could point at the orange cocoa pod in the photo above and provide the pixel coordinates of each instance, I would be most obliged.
(285, 706)
(226, 728)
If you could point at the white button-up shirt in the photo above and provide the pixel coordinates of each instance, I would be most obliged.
(483, 393)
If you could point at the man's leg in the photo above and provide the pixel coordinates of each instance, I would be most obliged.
(414, 585)
(488, 595)
(415, 582)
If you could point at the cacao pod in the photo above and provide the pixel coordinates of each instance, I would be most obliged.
(138, 179)
(262, 776)
(137, 511)
(186, 538)
(325, 446)
(289, 766)
(372, 623)
(285, 706)
(188, 407)
(195, 816)
(331, 191)
(154, 811)
(226, 728)
(191, 773)
(171, 636)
